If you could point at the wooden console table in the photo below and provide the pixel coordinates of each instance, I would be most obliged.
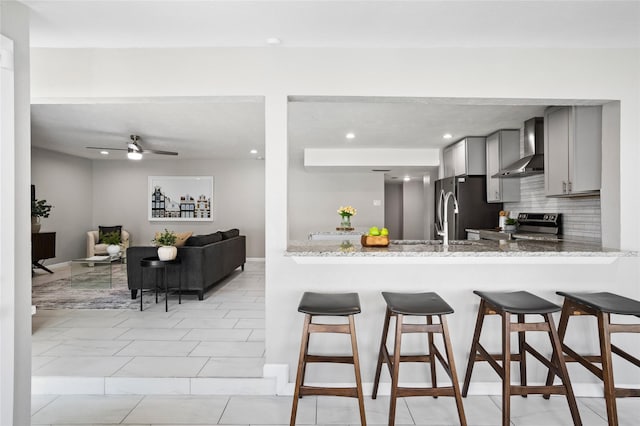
(43, 246)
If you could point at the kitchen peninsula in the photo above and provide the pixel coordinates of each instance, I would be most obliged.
(454, 272)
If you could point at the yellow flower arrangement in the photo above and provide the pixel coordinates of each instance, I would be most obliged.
(346, 211)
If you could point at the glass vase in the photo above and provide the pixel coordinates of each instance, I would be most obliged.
(345, 222)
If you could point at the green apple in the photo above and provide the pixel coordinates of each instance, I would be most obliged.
(374, 231)
(384, 231)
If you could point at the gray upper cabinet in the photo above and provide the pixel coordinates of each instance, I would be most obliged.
(503, 149)
(573, 150)
(465, 157)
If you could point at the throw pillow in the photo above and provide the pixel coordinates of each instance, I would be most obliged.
(108, 229)
(181, 238)
(230, 233)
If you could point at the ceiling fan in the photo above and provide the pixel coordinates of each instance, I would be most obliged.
(134, 150)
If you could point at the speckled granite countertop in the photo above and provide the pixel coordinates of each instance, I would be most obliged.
(464, 248)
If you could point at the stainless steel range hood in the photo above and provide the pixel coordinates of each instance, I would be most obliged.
(533, 161)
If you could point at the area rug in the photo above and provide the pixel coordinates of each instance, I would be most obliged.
(62, 294)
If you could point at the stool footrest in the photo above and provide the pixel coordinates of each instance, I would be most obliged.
(317, 390)
(627, 392)
(443, 391)
(546, 390)
(346, 359)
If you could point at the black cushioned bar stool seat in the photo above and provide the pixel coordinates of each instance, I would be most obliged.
(328, 304)
(601, 305)
(520, 303)
(417, 304)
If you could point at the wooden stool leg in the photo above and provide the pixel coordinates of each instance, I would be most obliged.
(506, 369)
(474, 348)
(432, 356)
(301, 366)
(607, 370)
(356, 366)
(452, 367)
(523, 354)
(383, 343)
(396, 369)
(562, 330)
(561, 366)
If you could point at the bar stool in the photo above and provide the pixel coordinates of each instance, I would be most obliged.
(601, 305)
(328, 304)
(428, 305)
(520, 303)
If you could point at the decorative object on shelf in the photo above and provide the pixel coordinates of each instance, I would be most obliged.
(180, 198)
(165, 242)
(345, 213)
(510, 224)
(113, 241)
(376, 237)
(39, 208)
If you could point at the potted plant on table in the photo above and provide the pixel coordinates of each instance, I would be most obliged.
(165, 242)
(510, 224)
(113, 241)
(39, 208)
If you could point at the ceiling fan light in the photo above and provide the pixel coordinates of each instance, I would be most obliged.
(134, 155)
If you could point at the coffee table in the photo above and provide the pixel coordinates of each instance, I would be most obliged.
(93, 272)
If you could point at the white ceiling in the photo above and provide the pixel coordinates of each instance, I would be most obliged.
(343, 23)
(230, 127)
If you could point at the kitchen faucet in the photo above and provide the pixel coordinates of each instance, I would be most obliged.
(442, 227)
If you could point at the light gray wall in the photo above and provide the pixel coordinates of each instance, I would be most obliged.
(314, 198)
(414, 210)
(393, 209)
(65, 181)
(120, 194)
(15, 251)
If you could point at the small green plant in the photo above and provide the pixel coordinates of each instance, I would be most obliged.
(111, 238)
(166, 238)
(511, 221)
(40, 208)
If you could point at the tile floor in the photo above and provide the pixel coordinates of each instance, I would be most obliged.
(186, 342)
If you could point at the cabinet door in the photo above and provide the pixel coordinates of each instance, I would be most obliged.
(585, 150)
(493, 167)
(449, 168)
(556, 150)
(460, 158)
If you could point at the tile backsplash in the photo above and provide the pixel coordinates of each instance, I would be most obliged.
(580, 216)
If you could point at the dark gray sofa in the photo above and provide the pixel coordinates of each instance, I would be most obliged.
(206, 259)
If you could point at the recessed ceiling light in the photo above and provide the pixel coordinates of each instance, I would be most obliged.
(104, 152)
(350, 135)
(254, 151)
(447, 136)
(274, 41)
(407, 178)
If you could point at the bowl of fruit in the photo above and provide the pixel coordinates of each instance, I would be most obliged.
(375, 237)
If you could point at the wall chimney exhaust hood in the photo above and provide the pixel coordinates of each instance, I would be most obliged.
(533, 161)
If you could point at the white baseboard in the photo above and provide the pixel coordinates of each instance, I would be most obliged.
(255, 259)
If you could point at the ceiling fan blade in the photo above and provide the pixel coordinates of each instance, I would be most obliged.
(154, 151)
(106, 149)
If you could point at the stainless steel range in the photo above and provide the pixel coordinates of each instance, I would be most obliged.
(531, 226)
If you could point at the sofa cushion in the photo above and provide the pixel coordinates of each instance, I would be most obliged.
(203, 240)
(102, 230)
(230, 233)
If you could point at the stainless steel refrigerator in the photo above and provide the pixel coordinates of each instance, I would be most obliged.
(473, 210)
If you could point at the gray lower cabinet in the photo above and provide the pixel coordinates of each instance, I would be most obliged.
(503, 148)
(465, 157)
(573, 150)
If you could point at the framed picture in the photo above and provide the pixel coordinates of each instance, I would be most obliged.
(180, 198)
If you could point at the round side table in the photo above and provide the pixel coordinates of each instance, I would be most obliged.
(161, 265)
